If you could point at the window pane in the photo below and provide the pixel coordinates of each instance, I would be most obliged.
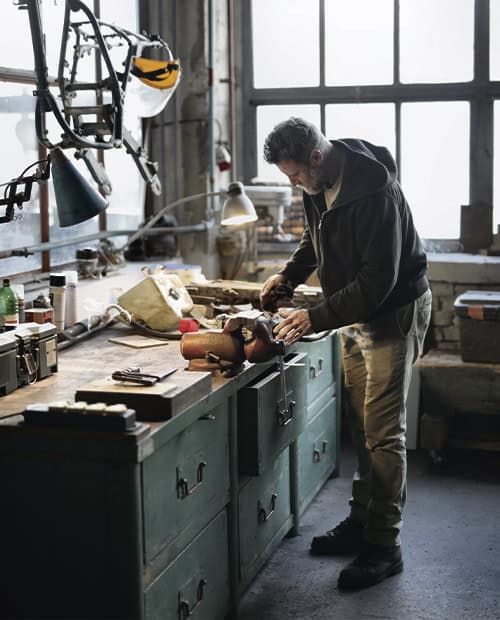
(20, 149)
(437, 40)
(495, 39)
(496, 167)
(435, 165)
(285, 43)
(374, 122)
(127, 198)
(16, 49)
(267, 118)
(358, 42)
(123, 13)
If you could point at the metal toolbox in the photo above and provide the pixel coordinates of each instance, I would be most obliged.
(479, 324)
(8, 363)
(27, 354)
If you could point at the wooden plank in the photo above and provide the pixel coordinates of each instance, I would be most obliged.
(160, 401)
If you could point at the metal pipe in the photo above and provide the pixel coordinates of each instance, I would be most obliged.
(43, 247)
(161, 212)
(211, 99)
(232, 85)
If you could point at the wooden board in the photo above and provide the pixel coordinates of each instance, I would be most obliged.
(136, 341)
(160, 401)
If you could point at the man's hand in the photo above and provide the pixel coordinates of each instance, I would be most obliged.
(269, 286)
(296, 324)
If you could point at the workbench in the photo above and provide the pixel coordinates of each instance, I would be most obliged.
(176, 517)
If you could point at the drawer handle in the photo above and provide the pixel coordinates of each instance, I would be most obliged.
(185, 610)
(208, 416)
(264, 516)
(285, 414)
(317, 454)
(183, 489)
(312, 370)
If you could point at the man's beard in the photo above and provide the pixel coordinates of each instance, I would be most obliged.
(318, 184)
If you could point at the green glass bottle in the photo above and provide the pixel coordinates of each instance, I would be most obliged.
(9, 308)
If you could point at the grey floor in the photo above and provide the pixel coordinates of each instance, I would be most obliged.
(451, 548)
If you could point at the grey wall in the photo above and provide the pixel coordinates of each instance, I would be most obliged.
(181, 135)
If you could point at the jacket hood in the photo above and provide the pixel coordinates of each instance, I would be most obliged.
(367, 169)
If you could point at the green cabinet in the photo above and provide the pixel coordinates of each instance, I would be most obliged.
(264, 516)
(175, 519)
(196, 583)
(265, 425)
(184, 484)
(317, 449)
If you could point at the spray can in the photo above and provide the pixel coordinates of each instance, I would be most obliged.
(57, 295)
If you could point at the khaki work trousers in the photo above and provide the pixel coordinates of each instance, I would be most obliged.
(377, 358)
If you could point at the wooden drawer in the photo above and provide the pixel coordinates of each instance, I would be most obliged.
(185, 483)
(319, 365)
(264, 516)
(262, 432)
(317, 449)
(197, 583)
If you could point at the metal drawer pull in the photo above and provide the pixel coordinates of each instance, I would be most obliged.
(208, 416)
(184, 610)
(317, 454)
(262, 515)
(285, 413)
(312, 370)
(183, 489)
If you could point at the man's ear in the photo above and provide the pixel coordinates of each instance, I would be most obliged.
(316, 158)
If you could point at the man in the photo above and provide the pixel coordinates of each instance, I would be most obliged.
(359, 234)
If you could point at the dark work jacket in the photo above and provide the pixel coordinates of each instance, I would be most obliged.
(369, 256)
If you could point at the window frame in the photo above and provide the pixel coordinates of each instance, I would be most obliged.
(480, 92)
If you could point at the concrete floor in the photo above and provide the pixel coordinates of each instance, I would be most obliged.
(451, 549)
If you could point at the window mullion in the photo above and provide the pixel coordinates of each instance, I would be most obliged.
(322, 59)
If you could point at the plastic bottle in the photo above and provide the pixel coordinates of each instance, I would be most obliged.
(9, 308)
(57, 295)
(71, 303)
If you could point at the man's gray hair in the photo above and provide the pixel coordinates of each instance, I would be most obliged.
(292, 140)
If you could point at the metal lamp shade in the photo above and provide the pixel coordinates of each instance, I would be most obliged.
(76, 199)
(238, 208)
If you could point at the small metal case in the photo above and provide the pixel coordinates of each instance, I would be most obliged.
(36, 351)
(8, 364)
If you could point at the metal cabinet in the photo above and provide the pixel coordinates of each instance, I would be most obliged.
(319, 366)
(265, 425)
(317, 452)
(197, 583)
(175, 519)
(184, 484)
(264, 516)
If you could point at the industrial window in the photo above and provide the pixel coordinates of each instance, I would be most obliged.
(418, 76)
(35, 223)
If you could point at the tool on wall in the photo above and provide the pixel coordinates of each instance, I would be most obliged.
(91, 113)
